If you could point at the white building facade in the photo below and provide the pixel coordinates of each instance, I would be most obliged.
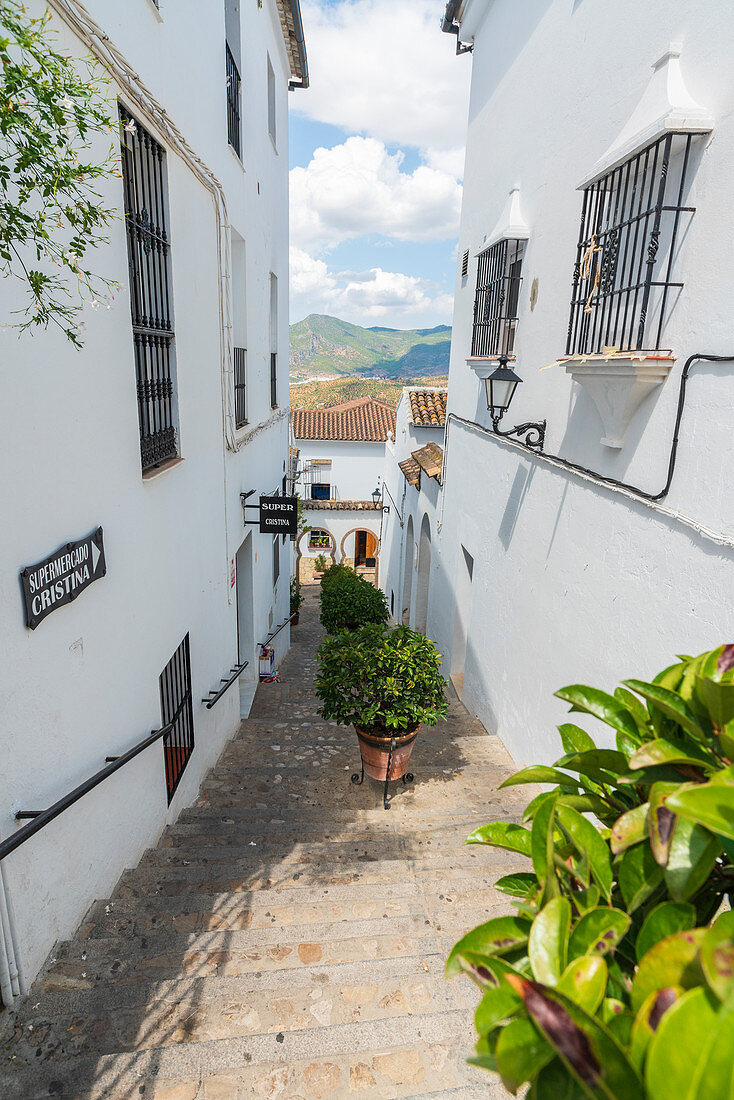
(341, 456)
(176, 406)
(593, 254)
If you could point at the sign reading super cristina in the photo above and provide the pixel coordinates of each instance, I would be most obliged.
(59, 578)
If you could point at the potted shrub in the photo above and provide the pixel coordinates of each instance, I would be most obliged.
(386, 683)
(340, 572)
(296, 600)
(319, 565)
(612, 981)
(349, 602)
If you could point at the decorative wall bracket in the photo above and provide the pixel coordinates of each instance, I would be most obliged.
(533, 433)
(618, 383)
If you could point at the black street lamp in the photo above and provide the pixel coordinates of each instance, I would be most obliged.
(501, 385)
(376, 496)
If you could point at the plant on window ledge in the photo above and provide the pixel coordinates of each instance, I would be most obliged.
(51, 112)
(611, 981)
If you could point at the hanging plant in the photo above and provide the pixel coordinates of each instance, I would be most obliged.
(52, 112)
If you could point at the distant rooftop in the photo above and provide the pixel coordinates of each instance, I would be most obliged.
(428, 408)
(366, 419)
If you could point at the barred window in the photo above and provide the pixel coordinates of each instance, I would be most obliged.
(499, 274)
(234, 85)
(240, 387)
(176, 709)
(465, 264)
(622, 279)
(148, 250)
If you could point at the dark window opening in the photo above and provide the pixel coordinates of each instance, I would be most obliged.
(365, 550)
(176, 707)
(273, 380)
(276, 560)
(240, 387)
(234, 85)
(148, 249)
(626, 250)
(499, 274)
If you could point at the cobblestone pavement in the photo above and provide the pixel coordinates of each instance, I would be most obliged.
(286, 938)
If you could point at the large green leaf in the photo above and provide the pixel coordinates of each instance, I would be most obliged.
(662, 921)
(693, 853)
(678, 1057)
(586, 1047)
(554, 1082)
(672, 962)
(661, 821)
(586, 804)
(584, 981)
(502, 834)
(648, 1020)
(498, 936)
(584, 900)
(543, 848)
(548, 941)
(522, 1051)
(718, 699)
(710, 804)
(518, 885)
(574, 739)
(717, 956)
(598, 932)
(488, 971)
(638, 875)
(636, 709)
(595, 762)
(630, 828)
(670, 703)
(539, 773)
(496, 1006)
(662, 751)
(587, 839)
(601, 705)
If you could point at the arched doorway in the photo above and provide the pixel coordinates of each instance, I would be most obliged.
(365, 554)
(424, 576)
(407, 574)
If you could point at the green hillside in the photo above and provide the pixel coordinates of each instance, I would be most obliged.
(334, 391)
(325, 347)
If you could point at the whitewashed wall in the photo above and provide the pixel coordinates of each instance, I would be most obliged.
(356, 466)
(84, 684)
(572, 582)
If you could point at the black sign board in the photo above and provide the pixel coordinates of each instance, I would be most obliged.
(59, 578)
(279, 515)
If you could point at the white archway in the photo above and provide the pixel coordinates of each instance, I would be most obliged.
(424, 576)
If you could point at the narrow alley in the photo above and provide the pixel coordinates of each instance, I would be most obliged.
(286, 938)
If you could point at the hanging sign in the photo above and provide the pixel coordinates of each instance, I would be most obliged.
(59, 578)
(279, 515)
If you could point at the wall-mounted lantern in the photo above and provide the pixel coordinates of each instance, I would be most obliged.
(377, 499)
(500, 386)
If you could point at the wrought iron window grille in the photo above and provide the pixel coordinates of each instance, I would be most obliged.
(240, 387)
(499, 275)
(177, 711)
(465, 264)
(148, 249)
(273, 380)
(630, 220)
(234, 85)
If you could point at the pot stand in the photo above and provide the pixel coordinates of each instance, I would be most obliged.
(358, 780)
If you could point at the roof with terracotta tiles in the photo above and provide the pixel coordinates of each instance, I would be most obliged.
(341, 505)
(366, 419)
(428, 408)
(430, 460)
(411, 471)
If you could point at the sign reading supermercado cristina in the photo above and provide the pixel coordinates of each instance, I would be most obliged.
(279, 515)
(59, 578)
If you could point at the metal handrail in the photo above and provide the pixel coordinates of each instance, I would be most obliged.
(218, 693)
(42, 818)
(277, 630)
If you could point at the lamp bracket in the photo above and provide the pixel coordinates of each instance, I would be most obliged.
(534, 433)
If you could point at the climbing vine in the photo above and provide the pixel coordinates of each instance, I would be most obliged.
(52, 110)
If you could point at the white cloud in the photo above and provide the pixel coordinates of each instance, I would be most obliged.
(357, 188)
(383, 68)
(375, 296)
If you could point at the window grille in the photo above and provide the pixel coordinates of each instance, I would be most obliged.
(234, 85)
(465, 264)
(148, 250)
(318, 540)
(240, 387)
(273, 380)
(626, 250)
(276, 560)
(175, 688)
(496, 300)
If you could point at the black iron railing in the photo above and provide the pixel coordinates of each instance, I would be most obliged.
(273, 380)
(216, 693)
(176, 706)
(148, 250)
(240, 387)
(496, 299)
(274, 633)
(626, 249)
(233, 102)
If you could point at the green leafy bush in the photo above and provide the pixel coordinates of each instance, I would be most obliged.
(380, 679)
(338, 572)
(296, 595)
(348, 602)
(320, 563)
(609, 981)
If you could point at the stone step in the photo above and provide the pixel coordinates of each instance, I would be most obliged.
(297, 816)
(410, 1056)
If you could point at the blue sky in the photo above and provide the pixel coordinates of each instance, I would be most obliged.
(376, 164)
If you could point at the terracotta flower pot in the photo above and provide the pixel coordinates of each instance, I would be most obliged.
(375, 750)
(295, 617)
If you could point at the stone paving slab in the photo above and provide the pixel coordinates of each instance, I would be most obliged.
(286, 938)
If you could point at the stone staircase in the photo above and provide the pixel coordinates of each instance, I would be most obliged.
(286, 938)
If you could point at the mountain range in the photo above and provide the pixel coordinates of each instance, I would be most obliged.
(323, 347)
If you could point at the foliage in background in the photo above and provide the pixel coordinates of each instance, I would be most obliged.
(296, 595)
(50, 215)
(610, 981)
(349, 601)
(320, 563)
(334, 391)
(380, 679)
